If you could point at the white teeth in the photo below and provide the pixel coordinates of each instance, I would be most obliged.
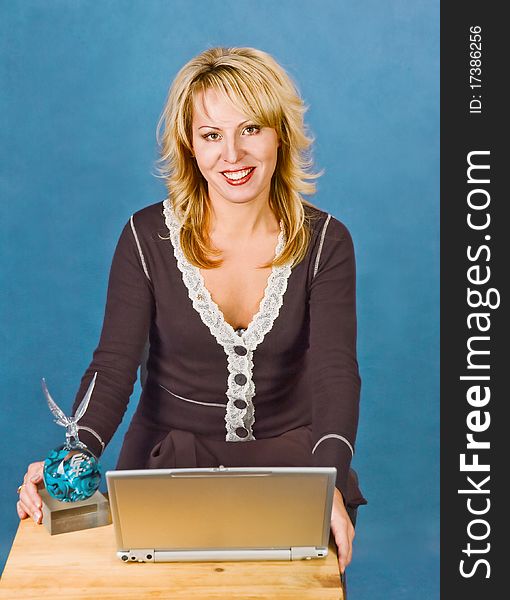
(238, 174)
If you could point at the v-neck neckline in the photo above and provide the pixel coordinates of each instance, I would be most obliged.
(210, 312)
(280, 242)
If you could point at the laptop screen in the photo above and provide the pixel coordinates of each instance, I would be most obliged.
(186, 509)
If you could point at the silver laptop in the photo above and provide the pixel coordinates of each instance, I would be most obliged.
(215, 514)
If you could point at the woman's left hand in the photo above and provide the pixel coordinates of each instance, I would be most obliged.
(343, 531)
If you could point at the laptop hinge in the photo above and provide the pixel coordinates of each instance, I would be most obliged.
(221, 555)
(139, 555)
(307, 552)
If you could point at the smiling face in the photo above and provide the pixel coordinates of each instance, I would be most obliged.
(236, 156)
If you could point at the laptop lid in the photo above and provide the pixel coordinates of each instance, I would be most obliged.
(280, 513)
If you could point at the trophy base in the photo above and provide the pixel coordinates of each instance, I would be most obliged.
(64, 517)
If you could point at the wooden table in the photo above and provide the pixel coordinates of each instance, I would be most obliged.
(83, 565)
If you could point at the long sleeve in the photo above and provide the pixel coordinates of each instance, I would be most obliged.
(129, 308)
(333, 363)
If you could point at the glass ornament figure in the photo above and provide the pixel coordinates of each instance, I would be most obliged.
(71, 472)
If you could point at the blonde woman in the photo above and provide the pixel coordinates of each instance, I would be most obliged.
(245, 291)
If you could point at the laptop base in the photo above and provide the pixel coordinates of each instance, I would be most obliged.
(150, 555)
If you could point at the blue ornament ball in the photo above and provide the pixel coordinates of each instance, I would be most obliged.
(71, 474)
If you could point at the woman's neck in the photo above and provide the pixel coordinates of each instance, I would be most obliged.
(240, 221)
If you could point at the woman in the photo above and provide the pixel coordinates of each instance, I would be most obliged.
(240, 285)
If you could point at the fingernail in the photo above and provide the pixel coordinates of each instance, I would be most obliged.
(37, 516)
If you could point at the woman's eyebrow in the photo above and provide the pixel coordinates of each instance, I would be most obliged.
(212, 126)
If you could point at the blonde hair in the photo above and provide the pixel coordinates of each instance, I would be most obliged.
(260, 88)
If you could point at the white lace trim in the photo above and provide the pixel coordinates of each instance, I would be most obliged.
(240, 385)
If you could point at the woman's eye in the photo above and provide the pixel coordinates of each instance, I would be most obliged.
(251, 129)
(210, 136)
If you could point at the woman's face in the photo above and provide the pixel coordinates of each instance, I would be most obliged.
(236, 156)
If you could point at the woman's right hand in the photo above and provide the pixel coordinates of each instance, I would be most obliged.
(30, 503)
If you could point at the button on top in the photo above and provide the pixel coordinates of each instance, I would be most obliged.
(241, 432)
(240, 404)
(240, 350)
(240, 379)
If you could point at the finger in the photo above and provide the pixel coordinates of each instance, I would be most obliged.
(35, 483)
(32, 492)
(36, 477)
(33, 513)
(343, 553)
(344, 548)
(31, 510)
(35, 470)
(343, 561)
(31, 501)
(351, 539)
(21, 513)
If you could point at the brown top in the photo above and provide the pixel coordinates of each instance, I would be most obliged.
(283, 391)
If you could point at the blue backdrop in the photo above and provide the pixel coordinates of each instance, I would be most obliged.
(82, 86)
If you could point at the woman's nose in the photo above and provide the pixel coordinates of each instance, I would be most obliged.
(232, 150)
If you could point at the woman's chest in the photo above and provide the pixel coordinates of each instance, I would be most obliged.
(191, 310)
(237, 289)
